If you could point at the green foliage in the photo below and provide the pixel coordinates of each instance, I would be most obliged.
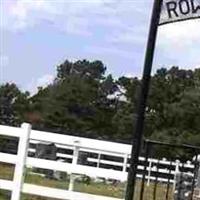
(77, 103)
(13, 104)
(174, 106)
(82, 68)
(83, 101)
(13, 107)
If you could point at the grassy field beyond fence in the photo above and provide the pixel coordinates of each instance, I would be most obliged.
(105, 189)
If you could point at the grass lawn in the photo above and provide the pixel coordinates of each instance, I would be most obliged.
(6, 172)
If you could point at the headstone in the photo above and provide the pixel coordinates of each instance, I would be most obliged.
(61, 176)
(83, 158)
(46, 151)
(183, 186)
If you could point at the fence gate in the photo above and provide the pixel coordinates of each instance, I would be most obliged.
(176, 177)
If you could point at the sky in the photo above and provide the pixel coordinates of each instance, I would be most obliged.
(38, 35)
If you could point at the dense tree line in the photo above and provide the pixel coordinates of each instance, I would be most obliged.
(83, 101)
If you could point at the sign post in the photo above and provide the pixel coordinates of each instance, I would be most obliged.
(137, 140)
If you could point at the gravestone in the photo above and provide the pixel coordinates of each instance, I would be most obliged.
(83, 158)
(183, 186)
(45, 151)
(58, 175)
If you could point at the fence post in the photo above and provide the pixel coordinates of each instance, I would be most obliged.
(149, 172)
(125, 162)
(21, 161)
(74, 162)
(175, 173)
(99, 160)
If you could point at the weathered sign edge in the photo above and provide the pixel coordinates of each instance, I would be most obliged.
(178, 20)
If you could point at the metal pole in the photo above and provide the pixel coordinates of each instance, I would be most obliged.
(138, 134)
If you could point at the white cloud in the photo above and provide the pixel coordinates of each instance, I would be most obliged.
(76, 26)
(111, 51)
(21, 14)
(76, 17)
(129, 36)
(43, 81)
(119, 29)
(180, 43)
(181, 34)
(70, 16)
(130, 75)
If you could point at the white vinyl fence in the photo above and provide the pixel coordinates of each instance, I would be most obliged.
(101, 165)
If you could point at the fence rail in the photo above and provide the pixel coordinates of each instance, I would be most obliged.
(98, 166)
